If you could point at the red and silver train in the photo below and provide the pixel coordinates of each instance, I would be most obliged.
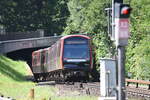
(70, 58)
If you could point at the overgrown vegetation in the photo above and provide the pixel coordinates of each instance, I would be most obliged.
(87, 17)
(9, 70)
(29, 15)
(13, 81)
(138, 50)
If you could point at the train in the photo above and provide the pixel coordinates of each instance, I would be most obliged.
(70, 58)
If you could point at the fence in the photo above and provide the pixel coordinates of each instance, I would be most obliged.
(137, 82)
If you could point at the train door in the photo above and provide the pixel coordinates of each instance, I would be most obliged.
(36, 62)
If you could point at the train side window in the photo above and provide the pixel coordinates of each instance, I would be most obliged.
(46, 58)
(38, 59)
(34, 60)
(42, 58)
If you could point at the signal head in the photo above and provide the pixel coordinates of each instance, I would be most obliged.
(122, 10)
(125, 10)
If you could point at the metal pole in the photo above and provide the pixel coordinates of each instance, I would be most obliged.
(109, 10)
(113, 20)
(121, 58)
(121, 73)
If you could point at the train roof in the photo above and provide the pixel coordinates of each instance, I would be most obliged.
(46, 48)
(37, 51)
(68, 36)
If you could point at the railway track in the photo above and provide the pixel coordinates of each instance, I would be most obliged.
(138, 92)
(93, 88)
(79, 88)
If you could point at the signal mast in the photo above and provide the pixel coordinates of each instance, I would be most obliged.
(118, 29)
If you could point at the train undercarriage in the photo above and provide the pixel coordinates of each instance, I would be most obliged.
(63, 76)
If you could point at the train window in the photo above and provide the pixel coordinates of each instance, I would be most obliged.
(76, 48)
(76, 51)
(42, 57)
(35, 59)
(46, 58)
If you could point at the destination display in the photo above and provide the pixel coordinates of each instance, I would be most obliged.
(75, 42)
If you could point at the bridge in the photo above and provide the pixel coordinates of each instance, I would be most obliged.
(14, 41)
(14, 45)
(20, 45)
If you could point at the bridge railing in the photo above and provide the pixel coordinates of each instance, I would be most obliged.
(21, 35)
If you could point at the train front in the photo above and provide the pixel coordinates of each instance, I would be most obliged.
(77, 53)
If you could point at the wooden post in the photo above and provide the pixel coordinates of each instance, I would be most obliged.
(128, 83)
(149, 86)
(31, 94)
(137, 84)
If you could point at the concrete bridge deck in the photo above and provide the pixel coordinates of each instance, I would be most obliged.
(14, 45)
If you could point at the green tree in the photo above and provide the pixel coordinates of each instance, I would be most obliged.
(140, 66)
(27, 15)
(137, 51)
(88, 17)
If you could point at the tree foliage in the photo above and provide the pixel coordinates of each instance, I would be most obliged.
(88, 17)
(141, 59)
(138, 55)
(27, 15)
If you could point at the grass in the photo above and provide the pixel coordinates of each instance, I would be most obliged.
(22, 91)
(13, 81)
(14, 84)
(12, 71)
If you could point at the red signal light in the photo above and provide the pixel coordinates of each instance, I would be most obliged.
(125, 10)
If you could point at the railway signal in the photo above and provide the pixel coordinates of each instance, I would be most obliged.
(121, 19)
(118, 30)
(122, 13)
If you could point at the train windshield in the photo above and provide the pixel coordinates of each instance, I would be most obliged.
(76, 48)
